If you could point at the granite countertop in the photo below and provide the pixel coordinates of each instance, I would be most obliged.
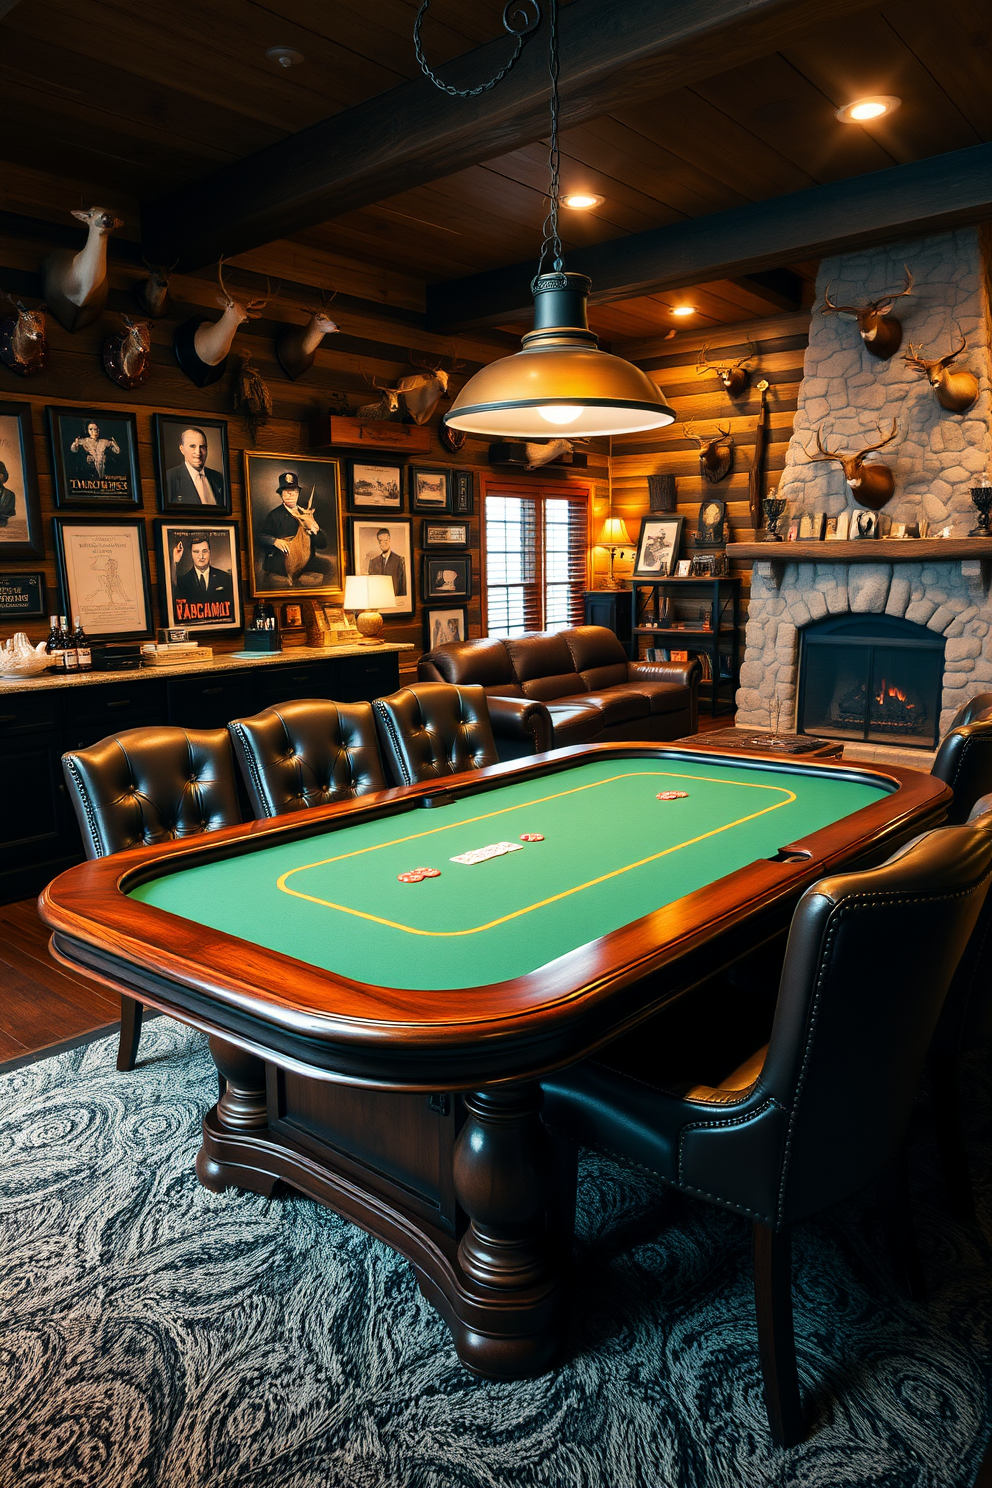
(221, 662)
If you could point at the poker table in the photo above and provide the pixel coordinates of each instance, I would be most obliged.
(380, 1033)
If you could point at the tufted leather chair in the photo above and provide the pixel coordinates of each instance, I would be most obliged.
(308, 752)
(823, 1109)
(150, 785)
(431, 730)
(964, 759)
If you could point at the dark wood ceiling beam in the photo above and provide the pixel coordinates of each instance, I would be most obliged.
(926, 196)
(612, 55)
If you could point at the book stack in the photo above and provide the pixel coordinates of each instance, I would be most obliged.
(175, 653)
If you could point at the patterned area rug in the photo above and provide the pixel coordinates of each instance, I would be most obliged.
(157, 1336)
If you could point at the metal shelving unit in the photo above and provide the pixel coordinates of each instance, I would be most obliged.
(720, 641)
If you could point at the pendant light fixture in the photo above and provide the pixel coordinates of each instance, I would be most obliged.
(559, 383)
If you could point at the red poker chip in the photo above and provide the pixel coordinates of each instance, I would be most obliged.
(428, 872)
(531, 837)
(671, 795)
(410, 877)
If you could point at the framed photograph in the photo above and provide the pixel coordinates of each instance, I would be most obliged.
(683, 569)
(430, 490)
(22, 596)
(442, 626)
(863, 523)
(192, 469)
(94, 457)
(199, 582)
(381, 547)
(103, 569)
(447, 577)
(711, 523)
(443, 534)
(704, 566)
(811, 526)
(463, 497)
(295, 527)
(375, 487)
(657, 547)
(20, 509)
(792, 535)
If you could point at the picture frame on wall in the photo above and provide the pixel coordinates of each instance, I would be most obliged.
(22, 596)
(385, 546)
(443, 625)
(192, 465)
(295, 525)
(463, 497)
(435, 534)
(375, 485)
(711, 523)
(103, 571)
(657, 547)
(20, 505)
(446, 577)
(94, 458)
(430, 489)
(199, 578)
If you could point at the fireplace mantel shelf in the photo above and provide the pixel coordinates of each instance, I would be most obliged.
(973, 553)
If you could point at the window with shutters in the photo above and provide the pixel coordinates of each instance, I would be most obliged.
(536, 554)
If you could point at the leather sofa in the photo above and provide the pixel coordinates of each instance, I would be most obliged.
(548, 689)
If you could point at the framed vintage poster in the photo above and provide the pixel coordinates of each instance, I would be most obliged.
(375, 485)
(20, 510)
(657, 547)
(711, 523)
(199, 582)
(447, 577)
(94, 457)
(22, 596)
(463, 496)
(430, 490)
(103, 568)
(381, 547)
(444, 625)
(295, 529)
(443, 534)
(192, 469)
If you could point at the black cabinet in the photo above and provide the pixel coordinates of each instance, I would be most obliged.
(614, 609)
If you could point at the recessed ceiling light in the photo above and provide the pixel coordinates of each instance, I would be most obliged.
(581, 201)
(683, 309)
(285, 56)
(866, 110)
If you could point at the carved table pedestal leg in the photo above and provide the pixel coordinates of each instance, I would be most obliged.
(225, 1158)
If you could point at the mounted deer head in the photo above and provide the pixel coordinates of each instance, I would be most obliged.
(871, 485)
(422, 391)
(75, 284)
(152, 294)
(735, 376)
(296, 346)
(548, 452)
(127, 355)
(956, 391)
(23, 347)
(716, 455)
(388, 407)
(879, 329)
(212, 342)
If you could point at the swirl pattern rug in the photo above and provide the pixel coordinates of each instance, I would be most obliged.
(154, 1335)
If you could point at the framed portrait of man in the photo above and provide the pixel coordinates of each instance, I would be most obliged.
(199, 582)
(103, 571)
(20, 510)
(444, 625)
(385, 547)
(192, 468)
(94, 457)
(447, 577)
(657, 547)
(295, 535)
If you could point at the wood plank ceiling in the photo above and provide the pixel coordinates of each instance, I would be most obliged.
(153, 96)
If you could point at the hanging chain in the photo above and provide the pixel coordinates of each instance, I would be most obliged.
(552, 242)
(520, 18)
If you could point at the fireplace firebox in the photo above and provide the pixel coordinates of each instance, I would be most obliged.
(871, 677)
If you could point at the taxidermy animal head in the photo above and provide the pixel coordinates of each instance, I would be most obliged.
(212, 341)
(872, 484)
(716, 455)
(388, 406)
(75, 284)
(956, 391)
(296, 346)
(152, 294)
(422, 391)
(735, 376)
(127, 355)
(546, 453)
(879, 329)
(23, 347)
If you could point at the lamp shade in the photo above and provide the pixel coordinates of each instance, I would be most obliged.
(614, 534)
(369, 592)
(560, 384)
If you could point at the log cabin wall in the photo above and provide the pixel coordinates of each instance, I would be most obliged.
(780, 342)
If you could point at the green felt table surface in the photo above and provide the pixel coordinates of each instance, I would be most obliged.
(612, 853)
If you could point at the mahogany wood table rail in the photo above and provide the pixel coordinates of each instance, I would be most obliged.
(381, 1038)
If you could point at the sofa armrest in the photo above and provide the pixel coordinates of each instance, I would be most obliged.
(522, 719)
(681, 673)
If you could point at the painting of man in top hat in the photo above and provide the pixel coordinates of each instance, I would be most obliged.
(294, 524)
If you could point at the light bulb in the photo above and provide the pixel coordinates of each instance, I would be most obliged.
(581, 201)
(861, 110)
(560, 413)
(867, 110)
(683, 309)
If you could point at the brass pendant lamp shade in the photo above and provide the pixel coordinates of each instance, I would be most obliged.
(560, 384)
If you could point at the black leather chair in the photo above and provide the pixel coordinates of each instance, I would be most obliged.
(434, 729)
(150, 785)
(964, 758)
(308, 752)
(823, 1109)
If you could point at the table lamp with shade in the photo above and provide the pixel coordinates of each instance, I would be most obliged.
(613, 536)
(367, 594)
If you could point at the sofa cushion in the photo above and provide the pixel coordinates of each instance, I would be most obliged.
(617, 705)
(462, 663)
(661, 697)
(597, 655)
(574, 723)
(542, 665)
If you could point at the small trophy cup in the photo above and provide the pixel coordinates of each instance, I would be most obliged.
(774, 506)
(982, 499)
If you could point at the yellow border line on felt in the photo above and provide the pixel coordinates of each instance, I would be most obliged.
(526, 806)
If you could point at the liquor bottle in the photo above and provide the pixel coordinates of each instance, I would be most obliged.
(68, 648)
(84, 656)
(54, 645)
